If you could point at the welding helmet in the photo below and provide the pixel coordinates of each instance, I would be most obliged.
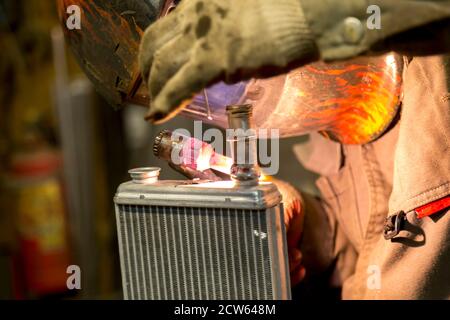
(353, 102)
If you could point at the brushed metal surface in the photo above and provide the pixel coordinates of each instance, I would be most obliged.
(174, 251)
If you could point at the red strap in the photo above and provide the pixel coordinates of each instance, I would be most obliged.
(433, 207)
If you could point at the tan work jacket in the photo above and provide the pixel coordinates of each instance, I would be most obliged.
(406, 168)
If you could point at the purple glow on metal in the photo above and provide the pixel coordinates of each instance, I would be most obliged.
(210, 105)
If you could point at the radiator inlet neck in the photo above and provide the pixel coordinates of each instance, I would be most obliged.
(242, 137)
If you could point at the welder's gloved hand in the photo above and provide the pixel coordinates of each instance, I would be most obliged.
(293, 219)
(204, 41)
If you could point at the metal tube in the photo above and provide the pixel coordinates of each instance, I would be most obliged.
(242, 137)
(191, 157)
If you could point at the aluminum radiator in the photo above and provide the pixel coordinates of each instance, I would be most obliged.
(182, 240)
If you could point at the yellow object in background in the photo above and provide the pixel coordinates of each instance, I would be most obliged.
(43, 252)
(39, 217)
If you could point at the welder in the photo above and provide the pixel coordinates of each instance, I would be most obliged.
(383, 215)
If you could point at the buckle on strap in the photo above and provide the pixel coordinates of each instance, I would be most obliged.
(393, 225)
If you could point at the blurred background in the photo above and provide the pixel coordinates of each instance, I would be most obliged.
(63, 153)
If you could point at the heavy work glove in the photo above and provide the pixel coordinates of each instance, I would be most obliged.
(204, 41)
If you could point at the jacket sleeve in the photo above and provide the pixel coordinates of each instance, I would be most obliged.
(344, 29)
(324, 245)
